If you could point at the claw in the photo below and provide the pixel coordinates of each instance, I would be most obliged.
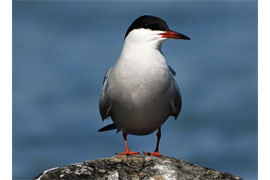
(152, 154)
(127, 153)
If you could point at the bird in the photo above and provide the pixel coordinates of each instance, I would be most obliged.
(139, 91)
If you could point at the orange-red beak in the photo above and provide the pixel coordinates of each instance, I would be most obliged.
(174, 35)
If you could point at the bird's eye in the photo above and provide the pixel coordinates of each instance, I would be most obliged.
(146, 25)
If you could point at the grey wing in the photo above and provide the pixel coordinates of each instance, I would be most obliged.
(104, 101)
(172, 71)
(176, 103)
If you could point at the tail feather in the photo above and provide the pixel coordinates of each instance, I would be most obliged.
(108, 127)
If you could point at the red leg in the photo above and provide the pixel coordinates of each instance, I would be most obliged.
(127, 152)
(156, 152)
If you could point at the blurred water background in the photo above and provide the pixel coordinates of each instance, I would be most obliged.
(61, 51)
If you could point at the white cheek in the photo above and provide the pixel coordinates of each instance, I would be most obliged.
(138, 35)
(144, 35)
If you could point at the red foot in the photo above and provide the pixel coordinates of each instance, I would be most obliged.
(153, 154)
(127, 153)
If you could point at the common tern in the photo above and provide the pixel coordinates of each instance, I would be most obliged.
(139, 92)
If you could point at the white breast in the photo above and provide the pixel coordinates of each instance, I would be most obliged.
(141, 77)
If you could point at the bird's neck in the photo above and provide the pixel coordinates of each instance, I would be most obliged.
(139, 49)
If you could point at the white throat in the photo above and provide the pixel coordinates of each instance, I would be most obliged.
(143, 44)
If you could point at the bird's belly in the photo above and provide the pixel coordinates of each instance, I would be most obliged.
(141, 103)
(140, 116)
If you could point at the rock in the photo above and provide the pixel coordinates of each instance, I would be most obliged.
(135, 167)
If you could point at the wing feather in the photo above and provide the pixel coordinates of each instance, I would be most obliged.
(104, 101)
(172, 71)
(176, 103)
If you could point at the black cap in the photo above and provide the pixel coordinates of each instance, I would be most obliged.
(148, 22)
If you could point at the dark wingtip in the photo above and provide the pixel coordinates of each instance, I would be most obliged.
(101, 129)
(107, 128)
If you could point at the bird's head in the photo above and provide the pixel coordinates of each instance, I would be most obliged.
(150, 29)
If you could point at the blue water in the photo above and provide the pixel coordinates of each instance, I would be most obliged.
(61, 51)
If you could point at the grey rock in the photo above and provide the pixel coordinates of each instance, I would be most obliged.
(135, 167)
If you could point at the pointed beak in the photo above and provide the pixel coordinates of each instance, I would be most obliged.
(174, 35)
